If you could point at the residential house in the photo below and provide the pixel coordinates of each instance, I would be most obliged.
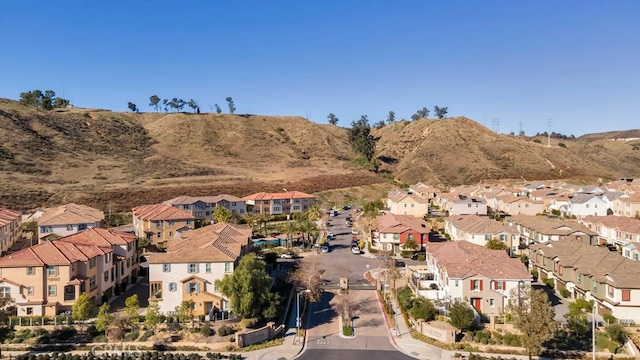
(191, 265)
(202, 207)
(285, 203)
(586, 204)
(519, 205)
(481, 277)
(394, 231)
(592, 273)
(627, 205)
(47, 278)
(67, 220)
(403, 203)
(424, 191)
(478, 230)
(631, 251)
(159, 223)
(10, 228)
(460, 204)
(614, 230)
(542, 229)
(558, 203)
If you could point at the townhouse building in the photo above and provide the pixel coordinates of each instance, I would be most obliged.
(161, 223)
(403, 203)
(424, 191)
(47, 278)
(479, 230)
(614, 230)
(285, 203)
(394, 231)
(10, 228)
(591, 273)
(67, 220)
(190, 267)
(627, 205)
(542, 229)
(202, 207)
(467, 272)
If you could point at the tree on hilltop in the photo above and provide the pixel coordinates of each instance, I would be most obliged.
(43, 100)
(154, 102)
(333, 120)
(132, 107)
(218, 109)
(193, 104)
(391, 117)
(441, 112)
(165, 103)
(232, 107)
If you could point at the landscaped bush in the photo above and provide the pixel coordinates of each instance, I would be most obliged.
(609, 319)
(206, 330)
(64, 334)
(144, 336)
(347, 331)
(225, 330)
(565, 293)
(549, 282)
(249, 323)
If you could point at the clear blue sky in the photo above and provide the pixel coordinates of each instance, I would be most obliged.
(575, 62)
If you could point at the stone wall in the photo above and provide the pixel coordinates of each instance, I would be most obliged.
(268, 332)
(437, 330)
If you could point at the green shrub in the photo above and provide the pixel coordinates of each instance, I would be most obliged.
(616, 333)
(549, 282)
(537, 141)
(249, 323)
(206, 330)
(225, 330)
(535, 274)
(565, 293)
(145, 335)
(64, 334)
(609, 319)
(347, 331)
(562, 145)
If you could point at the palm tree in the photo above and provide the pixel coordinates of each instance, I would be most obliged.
(314, 213)
(308, 227)
(264, 218)
(251, 219)
(290, 229)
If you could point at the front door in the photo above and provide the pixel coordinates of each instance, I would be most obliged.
(476, 303)
(208, 307)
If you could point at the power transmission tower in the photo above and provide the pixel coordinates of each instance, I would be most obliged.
(520, 128)
(495, 122)
(549, 132)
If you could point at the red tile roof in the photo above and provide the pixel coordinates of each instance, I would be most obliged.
(8, 216)
(188, 200)
(278, 196)
(397, 224)
(160, 212)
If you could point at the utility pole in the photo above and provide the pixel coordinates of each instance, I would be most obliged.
(496, 124)
(549, 132)
(593, 330)
(520, 127)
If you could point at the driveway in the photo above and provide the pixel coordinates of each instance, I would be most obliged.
(141, 288)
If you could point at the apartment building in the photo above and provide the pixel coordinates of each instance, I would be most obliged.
(191, 265)
(161, 223)
(10, 228)
(591, 273)
(202, 207)
(67, 220)
(614, 230)
(285, 203)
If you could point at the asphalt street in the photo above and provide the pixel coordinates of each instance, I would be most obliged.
(353, 355)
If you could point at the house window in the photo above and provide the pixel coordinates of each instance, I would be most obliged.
(173, 286)
(31, 270)
(492, 302)
(129, 262)
(193, 287)
(579, 277)
(456, 283)
(155, 290)
(52, 290)
(106, 275)
(159, 223)
(170, 233)
(499, 285)
(626, 295)
(92, 282)
(595, 286)
(29, 311)
(188, 222)
(185, 207)
(610, 291)
(69, 227)
(192, 268)
(166, 267)
(159, 234)
(92, 263)
(5, 292)
(635, 257)
(227, 267)
(410, 237)
(475, 285)
(52, 271)
(170, 222)
(30, 290)
(207, 267)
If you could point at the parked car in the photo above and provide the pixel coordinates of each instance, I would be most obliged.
(417, 254)
(325, 249)
(355, 250)
(354, 232)
(286, 256)
(348, 223)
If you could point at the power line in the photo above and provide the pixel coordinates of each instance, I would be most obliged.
(495, 122)
(549, 132)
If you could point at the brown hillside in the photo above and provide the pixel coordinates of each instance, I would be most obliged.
(461, 151)
(118, 160)
(613, 135)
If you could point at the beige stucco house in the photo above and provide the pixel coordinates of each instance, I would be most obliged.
(403, 203)
(160, 223)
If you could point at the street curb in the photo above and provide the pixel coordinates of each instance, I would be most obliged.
(303, 348)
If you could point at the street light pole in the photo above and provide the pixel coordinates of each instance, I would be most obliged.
(593, 329)
(395, 319)
(298, 322)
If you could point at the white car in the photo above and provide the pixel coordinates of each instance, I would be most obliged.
(354, 231)
(330, 235)
(355, 250)
(286, 256)
(325, 249)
